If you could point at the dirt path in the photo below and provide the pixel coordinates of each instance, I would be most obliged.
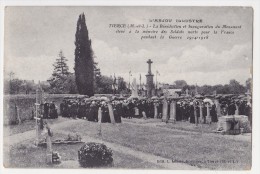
(18, 138)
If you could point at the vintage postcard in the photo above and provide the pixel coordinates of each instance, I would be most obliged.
(128, 87)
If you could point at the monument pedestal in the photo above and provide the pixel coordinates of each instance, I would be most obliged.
(231, 124)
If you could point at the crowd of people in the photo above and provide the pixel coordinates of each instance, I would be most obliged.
(49, 110)
(187, 108)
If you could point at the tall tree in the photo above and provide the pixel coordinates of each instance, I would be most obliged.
(236, 87)
(179, 84)
(59, 75)
(84, 63)
(60, 66)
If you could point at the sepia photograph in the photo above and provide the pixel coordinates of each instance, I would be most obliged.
(128, 87)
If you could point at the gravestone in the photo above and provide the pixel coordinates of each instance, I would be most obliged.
(136, 112)
(165, 111)
(201, 113)
(99, 121)
(134, 89)
(237, 110)
(155, 110)
(49, 146)
(195, 114)
(111, 113)
(187, 92)
(144, 115)
(229, 125)
(172, 118)
(208, 118)
(218, 109)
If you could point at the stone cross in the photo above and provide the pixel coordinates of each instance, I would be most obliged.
(37, 113)
(149, 66)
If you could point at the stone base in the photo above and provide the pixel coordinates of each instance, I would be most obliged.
(208, 120)
(232, 132)
(49, 158)
(171, 121)
(164, 120)
(225, 123)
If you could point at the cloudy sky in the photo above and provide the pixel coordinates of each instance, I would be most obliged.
(35, 35)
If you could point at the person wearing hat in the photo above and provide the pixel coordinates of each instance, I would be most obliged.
(213, 113)
(231, 108)
(53, 111)
(46, 110)
(82, 110)
(105, 113)
(160, 108)
(74, 110)
(92, 110)
(197, 110)
(242, 107)
(178, 111)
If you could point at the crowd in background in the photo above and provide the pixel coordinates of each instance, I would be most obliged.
(139, 107)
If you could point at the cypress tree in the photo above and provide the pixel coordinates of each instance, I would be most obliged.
(84, 63)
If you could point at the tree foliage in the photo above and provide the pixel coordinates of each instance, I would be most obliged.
(62, 81)
(179, 84)
(234, 87)
(84, 63)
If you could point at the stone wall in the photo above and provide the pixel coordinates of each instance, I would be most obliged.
(24, 105)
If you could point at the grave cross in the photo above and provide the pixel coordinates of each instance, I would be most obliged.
(37, 113)
(149, 66)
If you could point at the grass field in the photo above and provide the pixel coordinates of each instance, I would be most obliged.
(193, 148)
(26, 155)
(26, 125)
(180, 144)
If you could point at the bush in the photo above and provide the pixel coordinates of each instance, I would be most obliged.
(95, 155)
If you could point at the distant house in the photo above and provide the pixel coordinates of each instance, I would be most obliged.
(172, 92)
